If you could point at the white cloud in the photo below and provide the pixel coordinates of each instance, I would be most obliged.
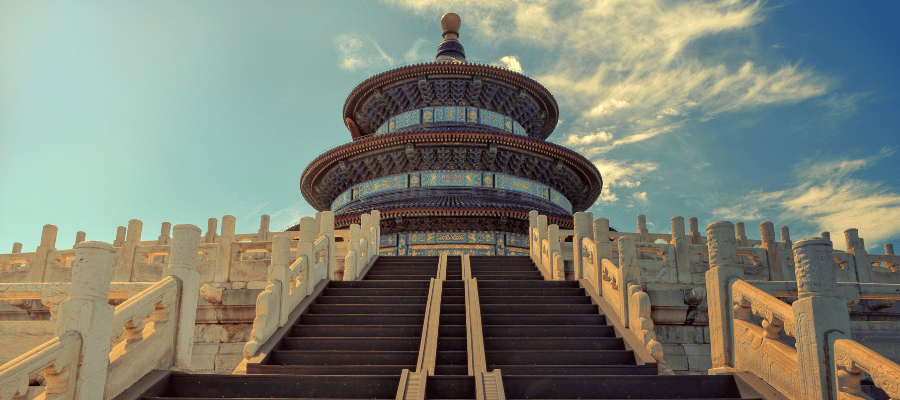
(640, 196)
(357, 52)
(601, 136)
(622, 173)
(841, 106)
(511, 62)
(826, 198)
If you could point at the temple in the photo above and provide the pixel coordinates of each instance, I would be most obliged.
(451, 257)
(453, 154)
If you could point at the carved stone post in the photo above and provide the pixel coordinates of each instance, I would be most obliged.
(889, 249)
(351, 269)
(326, 228)
(601, 237)
(740, 235)
(556, 267)
(629, 274)
(642, 231)
(820, 317)
(682, 254)
(164, 234)
(376, 223)
(263, 233)
(532, 223)
(87, 312)
(122, 272)
(278, 274)
(183, 265)
(786, 236)
(79, 237)
(694, 230)
(542, 234)
(120, 236)
(223, 255)
(365, 223)
(583, 229)
(826, 235)
(773, 251)
(306, 247)
(860, 257)
(722, 273)
(42, 254)
(211, 227)
(16, 249)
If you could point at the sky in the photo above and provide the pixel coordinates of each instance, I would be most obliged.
(782, 111)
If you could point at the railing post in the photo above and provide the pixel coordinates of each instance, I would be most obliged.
(365, 223)
(642, 231)
(583, 229)
(682, 255)
(722, 273)
(87, 312)
(601, 239)
(740, 235)
(326, 228)
(557, 272)
(629, 274)
(532, 224)
(820, 317)
(278, 274)
(211, 227)
(542, 235)
(164, 230)
(767, 236)
(860, 257)
(351, 269)
(306, 247)
(694, 230)
(79, 237)
(376, 242)
(223, 255)
(263, 233)
(41, 255)
(124, 264)
(183, 265)
(120, 236)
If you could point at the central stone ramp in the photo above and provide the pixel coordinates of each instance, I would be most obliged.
(550, 341)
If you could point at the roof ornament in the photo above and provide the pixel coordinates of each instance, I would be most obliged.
(450, 50)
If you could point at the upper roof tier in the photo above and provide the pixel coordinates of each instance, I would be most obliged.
(450, 91)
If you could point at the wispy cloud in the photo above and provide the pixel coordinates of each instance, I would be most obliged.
(357, 52)
(841, 106)
(622, 62)
(417, 52)
(826, 198)
(622, 174)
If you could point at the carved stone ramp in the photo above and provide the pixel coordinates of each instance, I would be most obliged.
(551, 341)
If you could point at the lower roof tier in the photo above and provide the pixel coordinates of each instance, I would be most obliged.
(561, 170)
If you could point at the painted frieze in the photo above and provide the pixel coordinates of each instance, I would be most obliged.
(451, 178)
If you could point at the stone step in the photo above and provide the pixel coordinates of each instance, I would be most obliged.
(556, 343)
(417, 300)
(351, 343)
(343, 357)
(620, 387)
(350, 309)
(356, 331)
(542, 319)
(530, 292)
(378, 284)
(280, 386)
(533, 299)
(537, 331)
(559, 357)
(395, 370)
(526, 284)
(538, 309)
(374, 292)
(648, 369)
(397, 277)
(362, 319)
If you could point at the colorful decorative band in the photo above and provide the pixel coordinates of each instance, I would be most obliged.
(454, 243)
(472, 115)
(446, 178)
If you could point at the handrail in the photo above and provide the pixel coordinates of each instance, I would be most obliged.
(775, 313)
(58, 355)
(474, 335)
(852, 359)
(429, 343)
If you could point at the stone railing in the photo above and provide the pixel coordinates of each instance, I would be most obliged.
(545, 247)
(802, 349)
(289, 283)
(98, 350)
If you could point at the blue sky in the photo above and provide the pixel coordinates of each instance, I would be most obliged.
(782, 111)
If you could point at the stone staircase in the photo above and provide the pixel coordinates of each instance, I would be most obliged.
(547, 338)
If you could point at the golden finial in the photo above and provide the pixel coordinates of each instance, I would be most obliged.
(451, 22)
